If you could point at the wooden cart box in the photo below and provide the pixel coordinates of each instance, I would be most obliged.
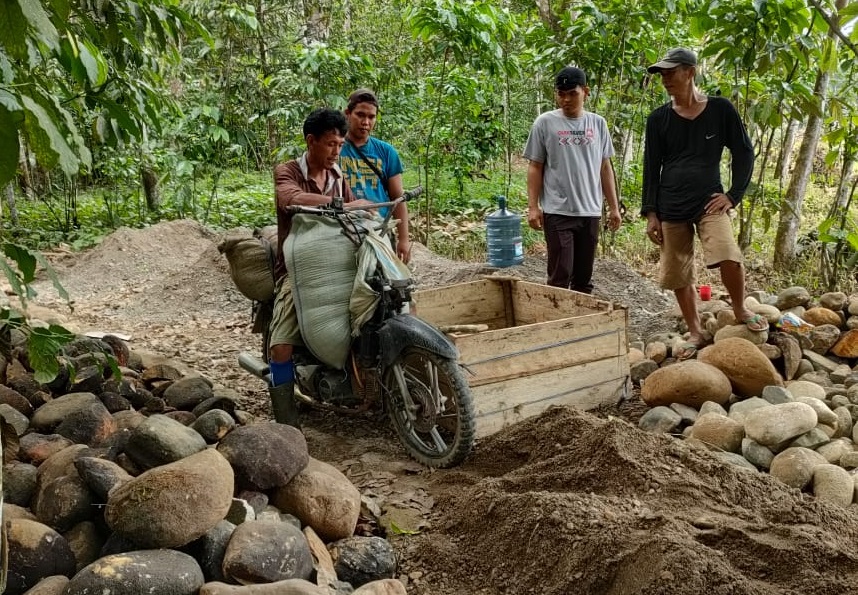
(544, 346)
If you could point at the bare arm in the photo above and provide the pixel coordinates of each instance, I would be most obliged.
(535, 171)
(400, 212)
(288, 190)
(609, 189)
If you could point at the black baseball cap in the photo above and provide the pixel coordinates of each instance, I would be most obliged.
(570, 77)
(674, 58)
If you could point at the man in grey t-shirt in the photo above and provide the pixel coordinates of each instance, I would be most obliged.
(570, 170)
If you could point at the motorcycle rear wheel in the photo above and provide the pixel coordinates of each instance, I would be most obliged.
(439, 431)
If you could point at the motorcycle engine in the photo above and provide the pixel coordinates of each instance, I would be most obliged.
(333, 386)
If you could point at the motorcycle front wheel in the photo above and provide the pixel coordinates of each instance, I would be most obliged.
(430, 406)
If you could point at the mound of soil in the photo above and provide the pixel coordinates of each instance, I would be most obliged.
(570, 503)
(566, 502)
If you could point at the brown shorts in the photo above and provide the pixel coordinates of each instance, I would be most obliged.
(677, 252)
(284, 321)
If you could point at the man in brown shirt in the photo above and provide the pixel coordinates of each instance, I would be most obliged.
(313, 179)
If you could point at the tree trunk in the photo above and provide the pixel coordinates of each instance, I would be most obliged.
(317, 21)
(843, 188)
(785, 154)
(785, 240)
(151, 188)
(13, 207)
(25, 182)
(793, 202)
(271, 124)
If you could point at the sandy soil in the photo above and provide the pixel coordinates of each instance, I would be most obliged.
(566, 502)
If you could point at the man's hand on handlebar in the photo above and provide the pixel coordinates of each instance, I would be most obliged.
(361, 202)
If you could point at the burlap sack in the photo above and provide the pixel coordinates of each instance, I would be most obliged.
(249, 266)
(322, 266)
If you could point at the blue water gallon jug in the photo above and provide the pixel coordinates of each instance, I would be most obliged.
(503, 237)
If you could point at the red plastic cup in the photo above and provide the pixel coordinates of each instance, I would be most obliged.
(705, 293)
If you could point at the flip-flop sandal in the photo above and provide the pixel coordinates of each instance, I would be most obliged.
(756, 323)
(686, 351)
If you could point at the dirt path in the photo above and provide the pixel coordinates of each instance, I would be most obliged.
(564, 503)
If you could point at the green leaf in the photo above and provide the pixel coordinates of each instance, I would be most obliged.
(94, 63)
(24, 259)
(397, 530)
(9, 147)
(13, 277)
(40, 22)
(13, 29)
(48, 142)
(43, 346)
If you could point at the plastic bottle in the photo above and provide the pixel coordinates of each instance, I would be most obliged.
(503, 236)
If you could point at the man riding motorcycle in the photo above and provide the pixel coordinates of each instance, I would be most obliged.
(313, 179)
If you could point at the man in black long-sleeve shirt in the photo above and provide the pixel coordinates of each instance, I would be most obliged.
(682, 190)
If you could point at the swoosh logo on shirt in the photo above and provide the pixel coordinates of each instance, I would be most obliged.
(708, 136)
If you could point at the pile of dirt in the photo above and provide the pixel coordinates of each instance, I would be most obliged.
(570, 503)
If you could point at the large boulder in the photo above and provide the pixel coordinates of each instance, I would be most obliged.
(690, 383)
(265, 455)
(748, 370)
(134, 573)
(267, 551)
(35, 552)
(174, 504)
(775, 425)
(323, 498)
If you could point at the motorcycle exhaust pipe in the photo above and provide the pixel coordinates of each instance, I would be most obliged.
(254, 365)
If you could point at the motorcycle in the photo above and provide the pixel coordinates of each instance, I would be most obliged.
(395, 361)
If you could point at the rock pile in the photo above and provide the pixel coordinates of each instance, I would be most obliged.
(153, 481)
(782, 400)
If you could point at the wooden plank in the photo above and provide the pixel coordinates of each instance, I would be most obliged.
(504, 354)
(585, 386)
(537, 303)
(476, 302)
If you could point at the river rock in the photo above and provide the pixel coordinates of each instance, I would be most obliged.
(777, 395)
(820, 316)
(359, 560)
(824, 415)
(661, 420)
(133, 573)
(640, 371)
(63, 502)
(823, 338)
(388, 586)
(635, 355)
(265, 455)
(690, 382)
(292, 586)
(742, 331)
(656, 351)
(775, 425)
(19, 483)
(172, 505)
(213, 425)
(791, 350)
(795, 466)
(160, 440)
(688, 415)
(757, 454)
(834, 300)
(792, 297)
(768, 311)
(265, 552)
(188, 392)
(734, 459)
(35, 552)
(844, 422)
(748, 370)
(52, 585)
(835, 449)
(719, 432)
(323, 498)
(209, 550)
(51, 414)
(16, 400)
(712, 407)
(833, 484)
(740, 408)
(100, 475)
(85, 543)
(847, 345)
(35, 448)
(813, 438)
(14, 418)
(772, 352)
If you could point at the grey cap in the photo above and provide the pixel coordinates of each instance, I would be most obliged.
(674, 58)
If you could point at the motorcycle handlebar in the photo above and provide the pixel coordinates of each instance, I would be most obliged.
(329, 209)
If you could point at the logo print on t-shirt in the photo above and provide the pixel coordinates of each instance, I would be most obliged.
(569, 138)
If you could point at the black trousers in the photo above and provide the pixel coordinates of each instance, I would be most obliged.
(571, 245)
